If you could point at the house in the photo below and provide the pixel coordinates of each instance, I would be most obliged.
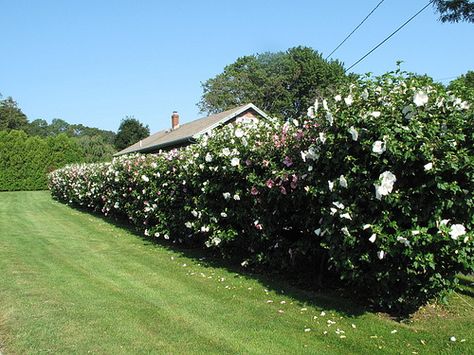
(182, 135)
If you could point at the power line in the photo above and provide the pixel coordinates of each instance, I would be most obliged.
(390, 36)
(355, 29)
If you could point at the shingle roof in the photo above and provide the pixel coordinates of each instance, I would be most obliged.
(187, 131)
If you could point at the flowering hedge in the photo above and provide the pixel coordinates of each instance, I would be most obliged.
(374, 185)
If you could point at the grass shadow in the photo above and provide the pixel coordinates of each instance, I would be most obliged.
(303, 291)
(329, 298)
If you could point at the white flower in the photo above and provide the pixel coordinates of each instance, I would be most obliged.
(226, 195)
(322, 137)
(365, 94)
(348, 100)
(337, 98)
(428, 166)
(325, 105)
(235, 161)
(296, 123)
(145, 178)
(346, 216)
(403, 240)
(378, 147)
(456, 231)
(216, 241)
(333, 211)
(311, 113)
(387, 179)
(208, 157)
(329, 118)
(415, 232)
(188, 225)
(380, 254)
(223, 214)
(366, 226)
(464, 105)
(345, 231)
(239, 133)
(236, 197)
(343, 181)
(244, 263)
(312, 154)
(316, 105)
(444, 222)
(194, 213)
(317, 231)
(331, 185)
(303, 156)
(338, 205)
(354, 133)
(420, 99)
(372, 238)
(375, 114)
(226, 152)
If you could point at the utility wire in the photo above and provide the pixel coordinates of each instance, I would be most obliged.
(355, 29)
(390, 36)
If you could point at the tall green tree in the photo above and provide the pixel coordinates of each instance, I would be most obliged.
(95, 148)
(283, 84)
(130, 131)
(38, 127)
(11, 116)
(455, 10)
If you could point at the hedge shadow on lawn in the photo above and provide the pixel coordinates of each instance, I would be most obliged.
(327, 299)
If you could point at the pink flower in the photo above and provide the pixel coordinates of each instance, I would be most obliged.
(294, 181)
(266, 163)
(276, 141)
(254, 191)
(299, 134)
(287, 161)
(270, 183)
(283, 190)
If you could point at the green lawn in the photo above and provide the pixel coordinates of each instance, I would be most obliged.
(71, 282)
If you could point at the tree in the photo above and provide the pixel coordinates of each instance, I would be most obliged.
(58, 126)
(129, 132)
(38, 127)
(463, 86)
(95, 148)
(283, 84)
(11, 117)
(455, 10)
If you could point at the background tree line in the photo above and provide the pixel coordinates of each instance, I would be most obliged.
(30, 150)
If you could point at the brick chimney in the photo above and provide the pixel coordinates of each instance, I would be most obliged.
(175, 120)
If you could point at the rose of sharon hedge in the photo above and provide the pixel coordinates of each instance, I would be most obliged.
(376, 185)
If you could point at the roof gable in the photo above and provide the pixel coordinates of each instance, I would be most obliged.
(189, 131)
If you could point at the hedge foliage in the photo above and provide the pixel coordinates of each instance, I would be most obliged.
(25, 161)
(375, 186)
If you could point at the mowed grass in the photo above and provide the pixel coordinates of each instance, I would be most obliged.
(71, 282)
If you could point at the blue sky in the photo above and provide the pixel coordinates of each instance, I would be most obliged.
(94, 62)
